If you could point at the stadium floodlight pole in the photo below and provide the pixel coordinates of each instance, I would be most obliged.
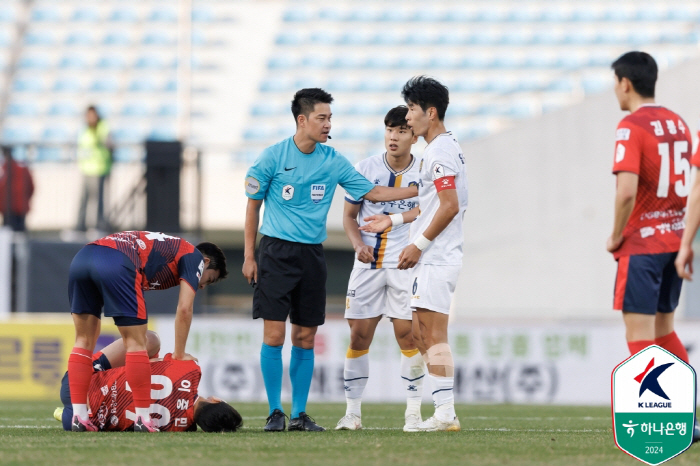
(184, 71)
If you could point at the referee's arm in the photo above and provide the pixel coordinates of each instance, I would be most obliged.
(252, 220)
(384, 193)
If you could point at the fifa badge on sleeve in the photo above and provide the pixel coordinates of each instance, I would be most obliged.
(653, 405)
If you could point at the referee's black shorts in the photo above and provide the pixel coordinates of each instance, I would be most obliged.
(291, 282)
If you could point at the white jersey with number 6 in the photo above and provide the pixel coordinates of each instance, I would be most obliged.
(442, 159)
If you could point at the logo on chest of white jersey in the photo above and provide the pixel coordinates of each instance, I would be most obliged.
(318, 191)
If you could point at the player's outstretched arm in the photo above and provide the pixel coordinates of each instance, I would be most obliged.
(625, 195)
(380, 222)
(183, 320)
(385, 194)
(252, 220)
(684, 259)
(352, 230)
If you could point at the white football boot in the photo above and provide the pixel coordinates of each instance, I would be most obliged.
(434, 424)
(349, 422)
(412, 421)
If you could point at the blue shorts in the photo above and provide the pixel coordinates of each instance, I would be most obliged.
(99, 364)
(99, 277)
(647, 284)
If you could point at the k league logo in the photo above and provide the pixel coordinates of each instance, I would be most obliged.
(653, 401)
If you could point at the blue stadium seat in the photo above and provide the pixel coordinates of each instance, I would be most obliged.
(202, 15)
(486, 38)
(67, 85)
(72, 62)
(389, 37)
(468, 84)
(440, 61)
(516, 38)
(165, 15)
(259, 133)
(650, 13)
(276, 84)
(28, 85)
(39, 38)
(564, 84)
(314, 61)
(116, 38)
(15, 135)
(291, 38)
(84, 38)
(35, 62)
(7, 14)
(56, 134)
(305, 81)
(123, 15)
(524, 15)
(456, 38)
(49, 153)
(491, 15)
(66, 109)
(501, 85)
(592, 85)
(266, 109)
(325, 37)
(539, 60)
(681, 13)
(167, 110)
(298, 15)
(333, 14)
(478, 61)
(381, 61)
(86, 14)
(127, 135)
(461, 108)
(135, 109)
(617, 14)
(111, 62)
(159, 38)
(142, 85)
(150, 62)
(281, 62)
(127, 154)
(610, 36)
(570, 61)
(375, 85)
(641, 36)
(342, 84)
(555, 14)
(26, 109)
(412, 62)
(45, 14)
(428, 15)
(198, 38)
(417, 37)
(171, 86)
(104, 85)
(5, 39)
(396, 15)
(356, 38)
(162, 133)
(348, 61)
(548, 37)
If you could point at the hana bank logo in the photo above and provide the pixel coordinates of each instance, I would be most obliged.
(649, 381)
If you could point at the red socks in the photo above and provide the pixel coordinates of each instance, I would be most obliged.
(138, 374)
(673, 344)
(79, 374)
(636, 346)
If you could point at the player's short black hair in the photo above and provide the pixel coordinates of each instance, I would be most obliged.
(427, 92)
(217, 260)
(306, 99)
(640, 68)
(218, 417)
(396, 117)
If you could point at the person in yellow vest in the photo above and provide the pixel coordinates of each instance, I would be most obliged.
(95, 163)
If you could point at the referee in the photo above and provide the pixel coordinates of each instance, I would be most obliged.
(297, 179)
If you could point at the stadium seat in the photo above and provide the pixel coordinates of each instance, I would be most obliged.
(162, 134)
(281, 62)
(202, 15)
(39, 38)
(28, 85)
(72, 62)
(142, 85)
(170, 86)
(297, 14)
(160, 38)
(56, 134)
(14, 135)
(85, 15)
(150, 62)
(259, 133)
(113, 62)
(116, 38)
(67, 109)
(291, 38)
(7, 14)
(265, 109)
(165, 15)
(278, 84)
(67, 85)
(135, 109)
(45, 14)
(127, 135)
(127, 154)
(27, 109)
(167, 110)
(123, 15)
(104, 85)
(324, 37)
(84, 38)
(35, 62)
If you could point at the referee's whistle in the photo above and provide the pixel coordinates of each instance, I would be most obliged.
(252, 283)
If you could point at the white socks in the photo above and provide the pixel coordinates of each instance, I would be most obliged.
(412, 376)
(443, 397)
(355, 374)
(144, 413)
(80, 410)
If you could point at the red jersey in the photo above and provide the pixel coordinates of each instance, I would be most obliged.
(21, 185)
(173, 391)
(161, 259)
(655, 144)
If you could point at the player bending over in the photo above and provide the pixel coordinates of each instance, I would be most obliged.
(177, 406)
(113, 272)
(436, 241)
(653, 178)
(377, 287)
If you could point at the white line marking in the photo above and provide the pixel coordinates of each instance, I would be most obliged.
(31, 427)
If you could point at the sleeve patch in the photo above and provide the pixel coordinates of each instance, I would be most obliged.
(438, 171)
(446, 182)
(619, 153)
(623, 134)
(252, 186)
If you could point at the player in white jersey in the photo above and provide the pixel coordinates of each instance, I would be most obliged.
(376, 287)
(436, 241)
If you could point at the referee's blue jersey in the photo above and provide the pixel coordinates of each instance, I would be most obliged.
(298, 189)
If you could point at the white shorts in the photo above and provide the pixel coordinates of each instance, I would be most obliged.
(377, 292)
(433, 286)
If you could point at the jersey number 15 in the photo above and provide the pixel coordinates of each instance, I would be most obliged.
(681, 166)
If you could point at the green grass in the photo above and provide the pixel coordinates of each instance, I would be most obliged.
(491, 435)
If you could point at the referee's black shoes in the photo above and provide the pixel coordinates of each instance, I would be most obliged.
(305, 423)
(276, 422)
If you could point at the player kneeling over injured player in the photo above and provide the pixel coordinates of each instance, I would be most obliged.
(177, 407)
(377, 287)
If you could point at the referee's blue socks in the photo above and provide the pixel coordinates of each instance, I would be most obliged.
(271, 366)
(301, 370)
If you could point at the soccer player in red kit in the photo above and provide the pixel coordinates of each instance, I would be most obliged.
(176, 407)
(652, 164)
(113, 272)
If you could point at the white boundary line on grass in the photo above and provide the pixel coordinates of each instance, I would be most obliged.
(31, 427)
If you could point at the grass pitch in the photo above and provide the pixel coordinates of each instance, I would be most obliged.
(491, 435)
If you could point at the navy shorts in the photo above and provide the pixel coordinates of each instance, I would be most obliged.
(100, 276)
(647, 284)
(99, 364)
(291, 282)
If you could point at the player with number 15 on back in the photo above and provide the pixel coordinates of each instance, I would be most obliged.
(113, 272)
(651, 162)
(296, 179)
